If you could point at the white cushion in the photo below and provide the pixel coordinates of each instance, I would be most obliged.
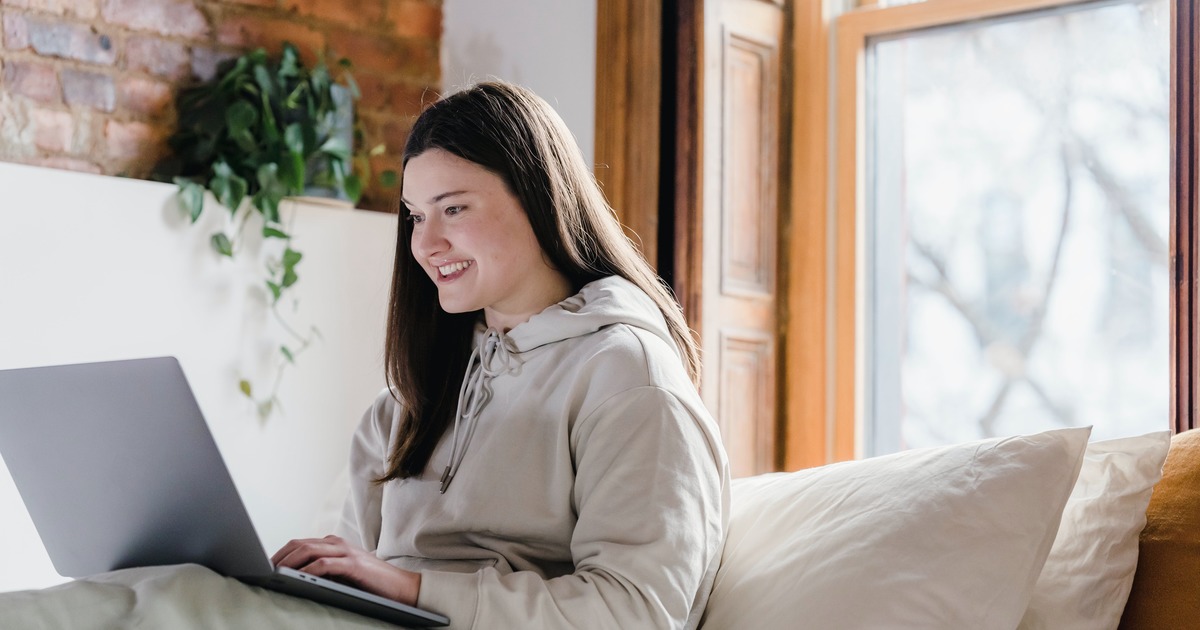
(944, 537)
(1086, 579)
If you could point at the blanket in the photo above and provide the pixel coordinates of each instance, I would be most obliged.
(177, 597)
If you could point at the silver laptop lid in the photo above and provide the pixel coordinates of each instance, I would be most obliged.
(118, 469)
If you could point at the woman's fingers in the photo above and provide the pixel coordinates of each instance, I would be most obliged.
(332, 557)
(298, 553)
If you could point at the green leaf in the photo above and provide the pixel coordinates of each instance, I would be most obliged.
(268, 205)
(264, 408)
(270, 232)
(291, 258)
(293, 175)
(271, 191)
(265, 83)
(293, 137)
(337, 148)
(245, 141)
(229, 189)
(268, 176)
(389, 179)
(270, 129)
(289, 65)
(191, 197)
(240, 118)
(276, 290)
(353, 187)
(244, 385)
(221, 243)
(287, 354)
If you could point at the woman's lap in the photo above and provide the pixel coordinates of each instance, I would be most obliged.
(184, 596)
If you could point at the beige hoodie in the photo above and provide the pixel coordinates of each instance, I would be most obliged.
(593, 491)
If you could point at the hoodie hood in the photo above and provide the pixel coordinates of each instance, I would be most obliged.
(600, 303)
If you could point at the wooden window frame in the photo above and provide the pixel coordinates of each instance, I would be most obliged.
(851, 34)
(1183, 244)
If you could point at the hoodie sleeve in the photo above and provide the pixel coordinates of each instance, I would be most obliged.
(651, 498)
(361, 514)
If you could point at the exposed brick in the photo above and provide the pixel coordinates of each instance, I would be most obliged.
(67, 164)
(379, 93)
(33, 80)
(369, 52)
(245, 31)
(159, 57)
(88, 89)
(377, 197)
(416, 60)
(166, 17)
(364, 14)
(145, 96)
(132, 139)
(16, 31)
(86, 9)
(393, 133)
(52, 130)
(206, 60)
(415, 18)
(421, 61)
(52, 38)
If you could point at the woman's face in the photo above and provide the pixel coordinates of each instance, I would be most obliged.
(473, 239)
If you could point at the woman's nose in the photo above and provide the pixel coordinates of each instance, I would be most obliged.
(428, 240)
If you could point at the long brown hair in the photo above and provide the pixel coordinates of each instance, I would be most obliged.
(515, 134)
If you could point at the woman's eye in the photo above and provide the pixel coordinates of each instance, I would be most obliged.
(415, 218)
(453, 210)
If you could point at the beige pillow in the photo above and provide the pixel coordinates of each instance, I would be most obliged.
(1166, 586)
(1087, 576)
(945, 537)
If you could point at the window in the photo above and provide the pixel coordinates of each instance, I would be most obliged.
(1009, 207)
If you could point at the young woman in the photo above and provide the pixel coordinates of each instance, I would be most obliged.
(541, 458)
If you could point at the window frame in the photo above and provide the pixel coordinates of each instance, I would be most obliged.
(847, 324)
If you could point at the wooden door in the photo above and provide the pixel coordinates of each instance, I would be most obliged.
(739, 296)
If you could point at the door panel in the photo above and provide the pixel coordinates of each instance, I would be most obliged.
(739, 323)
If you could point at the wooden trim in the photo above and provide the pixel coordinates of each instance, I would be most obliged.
(806, 222)
(688, 167)
(628, 102)
(872, 21)
(1184, 104)
(850, 44)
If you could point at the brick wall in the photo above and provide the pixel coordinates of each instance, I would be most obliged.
(88, 85)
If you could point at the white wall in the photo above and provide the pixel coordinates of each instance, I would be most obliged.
(100, 268)
(548, 46)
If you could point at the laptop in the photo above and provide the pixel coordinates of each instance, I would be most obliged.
(118, 469)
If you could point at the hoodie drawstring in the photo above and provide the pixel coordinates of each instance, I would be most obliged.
(491, 357)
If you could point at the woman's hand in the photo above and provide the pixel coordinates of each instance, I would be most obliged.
(334, 558)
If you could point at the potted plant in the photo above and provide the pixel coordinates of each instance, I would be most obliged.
(263, 130)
